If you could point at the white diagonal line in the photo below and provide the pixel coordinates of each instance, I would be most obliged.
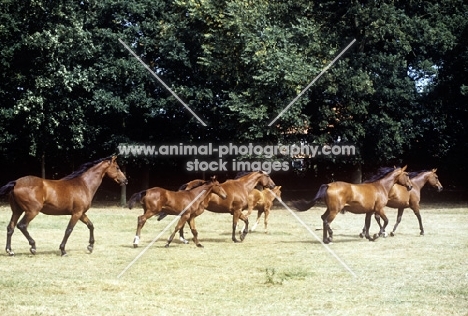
(312, 82)
(316, 237)
(160, 234)
(163, 83)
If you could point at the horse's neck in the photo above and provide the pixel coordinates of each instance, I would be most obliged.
(93, 177)
(251, 181)
(197, 191)
(388, 182)
(420, 180)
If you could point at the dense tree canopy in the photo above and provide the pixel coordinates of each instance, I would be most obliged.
(70, 90)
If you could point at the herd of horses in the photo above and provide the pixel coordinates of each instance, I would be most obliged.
(73, 194)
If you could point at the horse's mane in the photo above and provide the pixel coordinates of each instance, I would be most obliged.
(382, 172)
(84, 167)
(413, 174)
(241, 174)
(199, 183)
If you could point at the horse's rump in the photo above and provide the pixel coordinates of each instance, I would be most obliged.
(136, 197)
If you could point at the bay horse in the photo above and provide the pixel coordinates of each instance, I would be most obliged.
(71, 195)
(157, 200)
(262, 201)
(400, 198)
(365, 198)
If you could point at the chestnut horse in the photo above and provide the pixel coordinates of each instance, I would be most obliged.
(238, 191)
(400, 198)
(71, 195)
(190, 202)
(365, 198)
(262, 201)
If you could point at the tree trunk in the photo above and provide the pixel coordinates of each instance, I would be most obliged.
(43, 166)
(356, 175)
(123, 190)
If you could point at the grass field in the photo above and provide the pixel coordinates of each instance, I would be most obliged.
(285, 272)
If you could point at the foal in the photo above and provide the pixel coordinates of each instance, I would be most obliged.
(190, 202)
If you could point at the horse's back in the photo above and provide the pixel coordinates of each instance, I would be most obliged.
(236, 198)
(355, 198)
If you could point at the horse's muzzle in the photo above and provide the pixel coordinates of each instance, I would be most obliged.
(121, 182)
(439, 189)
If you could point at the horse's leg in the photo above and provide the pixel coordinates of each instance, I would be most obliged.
(418, 215)
(140, 223)
(191, 223)
(382, 228)
(23, 227)
(367, 226)
(327, 218)
(11, 228)
(256, 221)
(179, 225)
(181, 236)
(265, 221)
(71, 224)
(90, 226)
(235, 218)
(398, 220)
(245, 219)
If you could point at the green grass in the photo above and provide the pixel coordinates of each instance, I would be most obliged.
(285, 272)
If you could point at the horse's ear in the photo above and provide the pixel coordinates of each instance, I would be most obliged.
(434, 170)
(213, 178)
(404, 168)
(279, 187)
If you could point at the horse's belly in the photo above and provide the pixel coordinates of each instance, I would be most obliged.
(398, 204)
(54, 211)
(357, 207)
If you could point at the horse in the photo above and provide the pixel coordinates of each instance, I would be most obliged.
(400, 198)
(262, 201)
(156, 200)
(365, 198)
(238, 192)
(71, 195)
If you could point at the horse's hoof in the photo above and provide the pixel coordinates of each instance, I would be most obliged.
(90, 249)
(64, 254)
(235, 240)
(10, 253)
(326, 241)
(200, 246)
(361, 235)
(421, 233)
(33, 251)
(167, 246)
(135, 245)
(385, 235)
(183, 240)
(374, 237)
(392, 234)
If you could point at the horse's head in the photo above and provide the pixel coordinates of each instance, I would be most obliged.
(277, 192)
(113, 171)
(265, 180)
(402, 178)
(433, 180)
(217, 188)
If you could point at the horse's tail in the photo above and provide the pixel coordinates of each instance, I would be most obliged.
(303, 205)
(7, 188)
(136, 197)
